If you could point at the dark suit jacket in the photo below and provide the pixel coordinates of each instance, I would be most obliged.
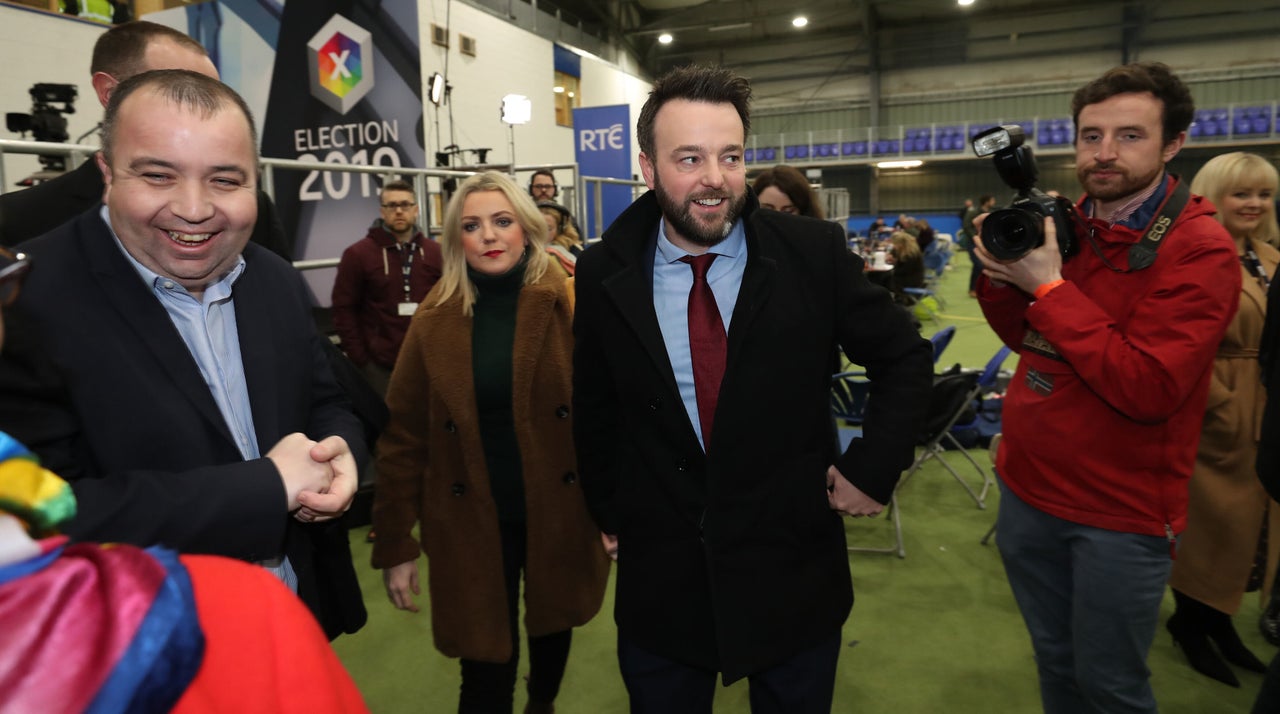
(732, 560)
(34, 211)
(97, 381)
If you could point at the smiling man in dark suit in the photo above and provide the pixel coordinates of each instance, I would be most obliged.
(120, 53)
(169, 369)
(703, 423)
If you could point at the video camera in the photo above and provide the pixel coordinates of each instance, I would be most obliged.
(46, 121)
(1010, 233)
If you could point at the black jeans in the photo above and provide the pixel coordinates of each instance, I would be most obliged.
(488, 687)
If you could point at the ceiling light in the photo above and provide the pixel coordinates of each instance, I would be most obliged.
(964, 3)
(558, 90)
(899, 164)
(665, 38)
(800, 21)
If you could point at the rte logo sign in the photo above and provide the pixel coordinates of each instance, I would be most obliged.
(606, 139)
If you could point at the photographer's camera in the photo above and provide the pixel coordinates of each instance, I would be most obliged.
(1010, 233)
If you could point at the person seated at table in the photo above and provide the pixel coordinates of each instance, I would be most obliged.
(926, 235)
(783, 188)
(876, 227)
(908, 264)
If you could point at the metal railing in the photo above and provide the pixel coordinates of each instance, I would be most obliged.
(574, 193)
(75, 154)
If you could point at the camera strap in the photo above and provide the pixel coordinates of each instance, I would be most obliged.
(1143, 253)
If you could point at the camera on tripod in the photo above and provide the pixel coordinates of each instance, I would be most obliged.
(46, 121)
(1010, 233)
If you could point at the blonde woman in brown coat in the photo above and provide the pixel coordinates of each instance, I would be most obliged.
(479, 453)
(1227, 503)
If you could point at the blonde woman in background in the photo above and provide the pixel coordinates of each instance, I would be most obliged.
(564, 243)
(479, 452)
(1227, 503)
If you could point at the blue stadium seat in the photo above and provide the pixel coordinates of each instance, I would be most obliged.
(1262, 121)
(846, 149)
(1242, 121)
(749, 155)
(1208, 127)
(860, 148)
(1045, 135)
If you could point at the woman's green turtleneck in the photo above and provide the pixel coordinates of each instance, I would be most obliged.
(492, 343)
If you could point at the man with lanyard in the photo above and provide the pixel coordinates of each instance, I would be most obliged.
(381, 279)
(1104, 413)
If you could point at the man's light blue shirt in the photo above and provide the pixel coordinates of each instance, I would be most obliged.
(672, 281)
(208, 327)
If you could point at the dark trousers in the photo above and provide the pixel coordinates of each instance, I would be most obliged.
(488, 687)
(975, 270)
(802, 684)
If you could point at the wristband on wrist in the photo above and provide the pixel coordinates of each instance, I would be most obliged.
(1047, 288)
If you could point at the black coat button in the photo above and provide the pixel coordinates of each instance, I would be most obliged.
(562, 412)
(570, 477)
(458, 489)
(450, 427)
(655, 404)
(682, 465)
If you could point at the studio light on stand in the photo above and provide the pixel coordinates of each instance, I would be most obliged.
(438, 91)
(516, 109)
(435, 89)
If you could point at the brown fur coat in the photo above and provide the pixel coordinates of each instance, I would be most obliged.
(431, 469)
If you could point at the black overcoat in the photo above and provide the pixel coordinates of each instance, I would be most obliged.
(733, 560)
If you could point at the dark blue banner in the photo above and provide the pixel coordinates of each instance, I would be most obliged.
(602, 147)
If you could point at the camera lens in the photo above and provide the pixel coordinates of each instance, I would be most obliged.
(1010, 233)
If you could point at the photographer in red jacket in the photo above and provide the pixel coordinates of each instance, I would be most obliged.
(1103, 416)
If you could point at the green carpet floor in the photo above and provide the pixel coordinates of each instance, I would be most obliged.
(935, 632)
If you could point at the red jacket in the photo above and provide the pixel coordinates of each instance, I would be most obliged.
(1111, 443)
(369, 289)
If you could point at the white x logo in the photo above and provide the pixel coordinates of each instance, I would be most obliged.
(340, 64)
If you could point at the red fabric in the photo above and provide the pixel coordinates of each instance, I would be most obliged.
(1113, 441)
(264, 652)
(707, 343)
(66, 626)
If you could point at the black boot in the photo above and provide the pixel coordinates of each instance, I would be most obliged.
(1189, 634)
(1222, 631)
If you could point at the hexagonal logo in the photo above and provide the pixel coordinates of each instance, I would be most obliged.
(340, 63)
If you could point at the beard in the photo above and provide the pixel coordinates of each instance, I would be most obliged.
(1126, 184)
(680, 216)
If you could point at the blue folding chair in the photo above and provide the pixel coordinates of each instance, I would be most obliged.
(940, 340)
(950, 405)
